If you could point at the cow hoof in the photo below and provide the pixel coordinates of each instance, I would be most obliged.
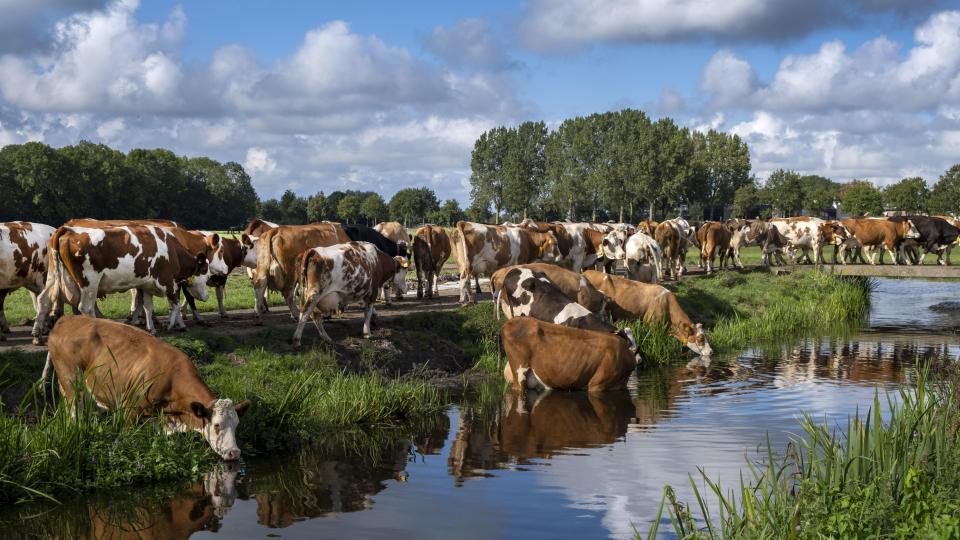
(37, 341)
(224, 316)
(296, 345)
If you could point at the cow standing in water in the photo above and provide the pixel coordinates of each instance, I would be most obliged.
(339, 274)
(431, 249)
(23, 261)
(117, 363)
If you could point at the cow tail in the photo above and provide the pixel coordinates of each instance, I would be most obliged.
(303, 266)
(46, 368)
(430, 260)
(276, 275)
(58, 267)
(496, 303)
(460, 244)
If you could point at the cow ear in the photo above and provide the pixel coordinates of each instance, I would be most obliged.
(214, 239)
(200, 410)
(245, 240)
(242, 407)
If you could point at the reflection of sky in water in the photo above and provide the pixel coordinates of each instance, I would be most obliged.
(592, 467)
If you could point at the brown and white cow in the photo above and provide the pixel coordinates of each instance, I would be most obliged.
(881, 233)
(571, 283)
(803, 233)
(583, 250)
(482, 249)
(125, 367)
(562, 358)
(23, 261)
(527, 293)
(395, 231)
(714, 239)
(277, 253)
(115, 259)
(653, 304)
(431, 249)
(235, 253)
(745, 232)
(674, 237)
(643, 251)
(336, 275)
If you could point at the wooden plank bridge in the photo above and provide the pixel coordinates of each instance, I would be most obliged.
(927, 271)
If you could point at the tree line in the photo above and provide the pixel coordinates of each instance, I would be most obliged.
(788, 193)
(618, 165)
(410, 206)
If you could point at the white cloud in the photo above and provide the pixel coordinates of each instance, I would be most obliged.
(469, 43)
(340, 105)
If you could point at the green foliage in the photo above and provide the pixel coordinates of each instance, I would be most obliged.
(819, 193)
(348, 209)
(784, 191)
(523, 167)
(318, 208)
(745, 198)
(945, 195)
(373, 209)
(879, 479)
(861, 198)
(908, 195)
(413, 205)
(487, 161)
(448, 214)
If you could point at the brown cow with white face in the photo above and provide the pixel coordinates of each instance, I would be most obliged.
(482, 249)
(336, 275)
(23, 261)
(116, 362)
(880, 233)
(105, 260)
(277, 253)
(542, 354)
(631, 300)
(431, 249)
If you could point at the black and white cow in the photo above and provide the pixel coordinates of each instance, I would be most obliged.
(532, 294)
(362, 233)
(936, 235)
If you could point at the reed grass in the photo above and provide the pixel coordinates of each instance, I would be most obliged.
(872, 479)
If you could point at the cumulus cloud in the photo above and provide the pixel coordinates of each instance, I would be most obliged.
(469, 43)
(570, 24)
(24, 24)
(341, 107)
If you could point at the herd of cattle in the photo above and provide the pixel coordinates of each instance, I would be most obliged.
(543, 278)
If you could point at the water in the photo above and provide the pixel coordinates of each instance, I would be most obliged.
(559, 465)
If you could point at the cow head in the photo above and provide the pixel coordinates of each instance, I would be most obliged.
(218, 425)
(696, 340)
(403, 249)
(910, 230)
(614, 243)
(627, 334)
(833, 232)
(548, 250)
(401, 262)
(249, 245)
(197, 283)
(214, 253)
(221, 485)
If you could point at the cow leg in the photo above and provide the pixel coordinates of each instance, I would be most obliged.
(420, 276)
(476, 282)
(367, 318)
(176, 315)
(893, 254)
(88, 300)
(189, 300)
(306, 313)
(260, 301)
(4, 327)
(465, 288)
(221, 289)
(148, 313)
(290, 297)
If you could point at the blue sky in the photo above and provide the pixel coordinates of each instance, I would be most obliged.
(317, 96)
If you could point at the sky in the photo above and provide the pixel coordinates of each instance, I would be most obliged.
(313, 96)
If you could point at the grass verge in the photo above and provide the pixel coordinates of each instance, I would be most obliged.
(899, 478)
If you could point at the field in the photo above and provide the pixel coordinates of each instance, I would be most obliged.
(421, 354)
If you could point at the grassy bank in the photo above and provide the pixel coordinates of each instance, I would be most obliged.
(298, 398)
(739, 310)
(899, 478)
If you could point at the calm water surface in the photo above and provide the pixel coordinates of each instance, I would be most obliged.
(557, 465)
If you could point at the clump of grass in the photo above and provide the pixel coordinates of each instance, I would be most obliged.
(899, 478)
(474, 328)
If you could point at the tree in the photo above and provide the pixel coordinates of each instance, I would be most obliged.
(723, 166)
(819, 193)
(349, 208)
(317, 208)
(861, 198)
(744, 199)
(411, 204)
(784, 191)
(448, 214)
(627, 150)
(673, 167)
(479, 213)
(36, 172)
(486, 168)
(270, 210)
(524, 167)
(294, 208)
(945, 195)
(373, 208)
(908, 195)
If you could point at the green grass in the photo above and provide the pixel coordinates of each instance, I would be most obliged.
(898, 478)
(739, 310)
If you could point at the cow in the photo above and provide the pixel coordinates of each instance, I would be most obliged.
(583, 252)
(642, 250)
(565, 239)
(235, 253)
(559, 357)
(570, 283)
(937, 235)
(647, 227)
(254, 230)
(674, 238)
(113, 259)
(881, 233)
(257, 227)
(431, 249)
(714, 239)
(595, 251)
(802, 233)
(482, 249)
(774, 245)
(122, 366)
(23, 262)
(653, 304)
(745, 232)
(335, 275)
(396, 232)
(362, 233)
(277, 252)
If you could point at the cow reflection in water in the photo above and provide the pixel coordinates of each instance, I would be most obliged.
(536, 425)
(321, 485)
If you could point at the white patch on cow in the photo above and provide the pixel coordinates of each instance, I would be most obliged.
(220, 430)
(572, 310)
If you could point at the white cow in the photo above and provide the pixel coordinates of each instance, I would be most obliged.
(642, 250)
